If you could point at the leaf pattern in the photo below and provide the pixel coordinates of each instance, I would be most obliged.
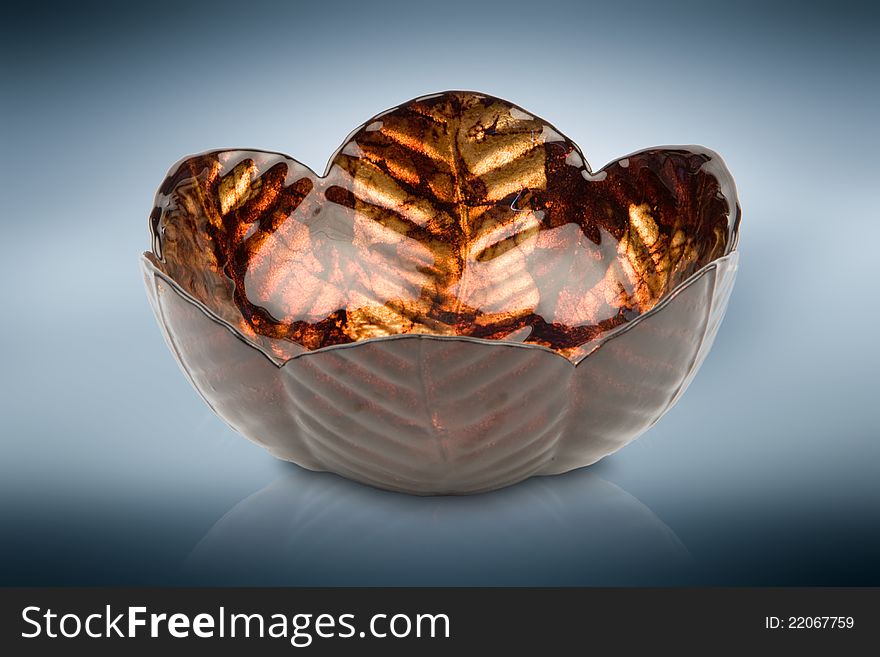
(456, 214)
(431, 414)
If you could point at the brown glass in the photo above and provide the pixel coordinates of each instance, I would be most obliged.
(457, 304)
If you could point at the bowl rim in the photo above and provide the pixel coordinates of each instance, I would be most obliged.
(726, 180)
(730, 259)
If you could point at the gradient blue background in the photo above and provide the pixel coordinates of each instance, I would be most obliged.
(112, 470)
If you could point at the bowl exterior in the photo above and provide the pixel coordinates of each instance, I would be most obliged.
(445, 415)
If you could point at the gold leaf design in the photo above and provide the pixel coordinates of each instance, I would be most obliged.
(453, 214)
(439, 172)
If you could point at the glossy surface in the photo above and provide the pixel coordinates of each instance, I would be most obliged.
(308, 528)
(456, 214)
(456, 305)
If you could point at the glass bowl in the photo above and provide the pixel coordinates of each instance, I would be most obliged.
(457, 304)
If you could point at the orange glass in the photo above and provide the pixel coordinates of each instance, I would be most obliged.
(457, 304)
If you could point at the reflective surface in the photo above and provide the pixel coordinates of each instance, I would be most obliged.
(307, 528)
(457, 305)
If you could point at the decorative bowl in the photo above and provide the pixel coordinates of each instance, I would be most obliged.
(457, 304)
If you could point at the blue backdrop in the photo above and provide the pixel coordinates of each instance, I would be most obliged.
(112, 469)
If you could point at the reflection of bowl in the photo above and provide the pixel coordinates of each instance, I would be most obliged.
(456, 305)
(316, 529)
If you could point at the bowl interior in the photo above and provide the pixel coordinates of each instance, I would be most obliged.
(456, 214)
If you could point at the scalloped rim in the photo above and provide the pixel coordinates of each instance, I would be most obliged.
(731, 259)
(724, 176)
(726, 180)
